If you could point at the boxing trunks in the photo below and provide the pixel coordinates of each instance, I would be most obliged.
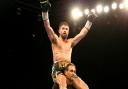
(58, 68)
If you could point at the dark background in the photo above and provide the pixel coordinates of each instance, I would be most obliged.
(101, 57)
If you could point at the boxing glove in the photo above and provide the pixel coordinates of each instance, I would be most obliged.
(90, 19)
(45, 6)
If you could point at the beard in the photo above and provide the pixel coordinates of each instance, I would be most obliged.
(64, 36)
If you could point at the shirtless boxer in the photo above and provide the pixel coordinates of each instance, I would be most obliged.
(62, 48)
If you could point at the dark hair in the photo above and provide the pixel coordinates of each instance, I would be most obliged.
(63, 23)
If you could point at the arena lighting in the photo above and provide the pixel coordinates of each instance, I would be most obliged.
(121, 6)
(114, 5)
(99, 8)
(93, 11)
(76, 13)
(86, 11)
(126, 4)
(106, 9)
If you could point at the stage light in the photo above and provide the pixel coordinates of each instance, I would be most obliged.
(126, 4)
(114, 5)
(86, 11)
(93, 11)
(121, 5)
(106, 9)
(99, 8)
(76, 13)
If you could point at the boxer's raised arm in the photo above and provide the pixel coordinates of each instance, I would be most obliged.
(84, 30)
(45, 6)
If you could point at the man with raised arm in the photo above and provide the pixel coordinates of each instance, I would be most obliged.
(62, 49)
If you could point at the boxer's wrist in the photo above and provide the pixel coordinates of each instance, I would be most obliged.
(61, 87)
(88, 25)
(45, 16)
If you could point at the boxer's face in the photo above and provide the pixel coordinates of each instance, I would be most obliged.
(64, 31)
(70, 71)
